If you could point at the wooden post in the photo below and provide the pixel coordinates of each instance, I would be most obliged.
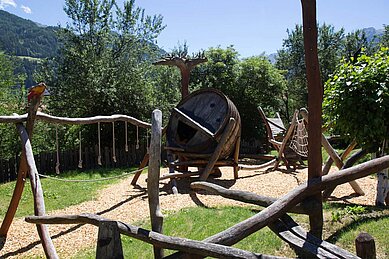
(153, 177)
(109, 244)
(22, 173)
(365, 246)
(315, 98)
(39, 203)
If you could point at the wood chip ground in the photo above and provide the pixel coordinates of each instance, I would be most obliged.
(129, 204)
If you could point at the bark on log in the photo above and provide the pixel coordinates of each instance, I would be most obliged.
(154, 238)
(153, 177)
(315, 99)
(247, 197)
(305, 244)
(365, 246)
(349, 163)
(109, 244)
(80, 121)
(245, 228)
(39, 203)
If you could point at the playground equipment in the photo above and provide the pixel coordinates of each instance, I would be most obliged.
(281, 139)
(204, 129)
(274, 215)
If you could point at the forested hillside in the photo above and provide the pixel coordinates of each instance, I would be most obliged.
(21, 37)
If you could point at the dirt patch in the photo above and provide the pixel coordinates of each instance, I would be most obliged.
(127, 203)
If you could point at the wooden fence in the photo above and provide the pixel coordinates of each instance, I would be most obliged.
(69, 160)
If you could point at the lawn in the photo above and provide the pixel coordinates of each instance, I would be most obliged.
(59, 194)
(198, 223)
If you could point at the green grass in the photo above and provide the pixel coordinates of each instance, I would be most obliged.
(198, 223)
(59, 194)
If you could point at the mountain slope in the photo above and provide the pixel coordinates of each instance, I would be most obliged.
(21, 37)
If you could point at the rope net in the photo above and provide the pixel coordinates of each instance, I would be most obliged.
(299, 142)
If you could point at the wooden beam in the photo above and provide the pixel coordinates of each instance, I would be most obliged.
(154, 238)
(22, 171)
(156, 216)
(245, 228)
(218, 150)
(37, 192)
(247, 197)
(79, 121)
(315, 99)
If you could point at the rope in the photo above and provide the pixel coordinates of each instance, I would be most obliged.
(94, 180)
(126, 137)
(299, 142)
(98, 136)
(147, 141)
(137, 138)
(80, 152)
(113, 143)
(57, 147)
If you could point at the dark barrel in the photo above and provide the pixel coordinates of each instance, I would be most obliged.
(199, 120)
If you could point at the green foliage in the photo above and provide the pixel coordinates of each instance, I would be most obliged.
(385, 37)
(249, 83)
(348, 211)
(12, 97)
(291, 59)
(357, 99)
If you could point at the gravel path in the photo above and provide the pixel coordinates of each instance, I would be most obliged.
(127, 203)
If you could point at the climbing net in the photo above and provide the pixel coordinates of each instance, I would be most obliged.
(299, 141)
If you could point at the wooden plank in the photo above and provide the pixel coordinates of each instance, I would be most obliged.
(218, 150)
(109, 244)
(190, 122)
(156, 216)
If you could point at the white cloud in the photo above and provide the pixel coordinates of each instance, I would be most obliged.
(26, 9)
(5, 3)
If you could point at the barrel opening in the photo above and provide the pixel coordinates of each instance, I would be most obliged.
(185, 132)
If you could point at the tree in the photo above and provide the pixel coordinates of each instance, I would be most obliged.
(385, 37)
(248, 83)
(331, 48)
(11, 100)
(104, 60)
(357, 100)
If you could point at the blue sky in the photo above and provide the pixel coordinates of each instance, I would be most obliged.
(252, 26)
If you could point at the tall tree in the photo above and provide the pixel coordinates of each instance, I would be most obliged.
(291, 59)
(385, 37)
(104, 60)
